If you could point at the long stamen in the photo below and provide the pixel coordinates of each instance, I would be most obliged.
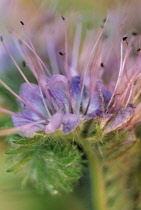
(87, 65)
(67, 65)
(30, 63)
(10, 55)
(43, 84)
(23, 101)
(25, 56)
(38, 60)
(135, 122)
(47, 110)
(40, 83)
(85, 48)
(93, 76)
(119, 76)
(137, 94)
(7, 111)
(136, 114)
(24, 75)
(10, 112)
(66, 50)
(114, 41)
(52, 55)
(38, 80)
(130, 87)
(37, 75)
(129, 94)
(14, 114)
(76, 46)
(30, 48)
(16, 129)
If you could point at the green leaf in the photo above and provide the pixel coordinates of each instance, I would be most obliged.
(53, 164)
(26, 141)
(17, 150)
(26, 158)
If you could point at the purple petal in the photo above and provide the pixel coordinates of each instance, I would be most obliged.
(100, 89)
(58, 82)
(30, 115)
(60, 99)
(120, 120)
(100, 98)
(106, 95)
(33, 97)
(96, 103)
(54, 123)
(18, 121)
(70, 122)
(97, 113)
(75, 86)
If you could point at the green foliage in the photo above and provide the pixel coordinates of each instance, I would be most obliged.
(134, 177)
(54, 164)
(115, 152)
(91, 131)
(49, 162)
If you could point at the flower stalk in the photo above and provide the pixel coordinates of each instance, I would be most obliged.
(98, 196)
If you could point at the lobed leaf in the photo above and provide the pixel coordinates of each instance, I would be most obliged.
(53, 165)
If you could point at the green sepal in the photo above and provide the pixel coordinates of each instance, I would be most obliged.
(113, 140)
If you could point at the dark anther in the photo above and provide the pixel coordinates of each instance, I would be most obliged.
(63, 18)
(1, 38)
(102, 65)
(60, 53)
(139, 49)
(20, 42)
(131, 105)
(116, 95)
(124, 38)
(134, 33)
(22, 23)
(24, 64)
(104, 20)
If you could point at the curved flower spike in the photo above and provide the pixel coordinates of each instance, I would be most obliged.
(64, 101)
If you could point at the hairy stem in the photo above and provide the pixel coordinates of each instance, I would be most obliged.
(97, 181)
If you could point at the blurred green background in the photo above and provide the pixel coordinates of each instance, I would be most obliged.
(12, 196)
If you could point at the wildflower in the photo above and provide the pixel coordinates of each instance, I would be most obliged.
(65, 101)
(91, 95)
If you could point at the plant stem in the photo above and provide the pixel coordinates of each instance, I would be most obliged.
(97, 181)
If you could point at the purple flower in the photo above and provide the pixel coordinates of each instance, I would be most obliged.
(82, 90)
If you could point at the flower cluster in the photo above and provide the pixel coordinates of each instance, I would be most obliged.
(93, 84)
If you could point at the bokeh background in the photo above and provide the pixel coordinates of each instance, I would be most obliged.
(12, 195)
